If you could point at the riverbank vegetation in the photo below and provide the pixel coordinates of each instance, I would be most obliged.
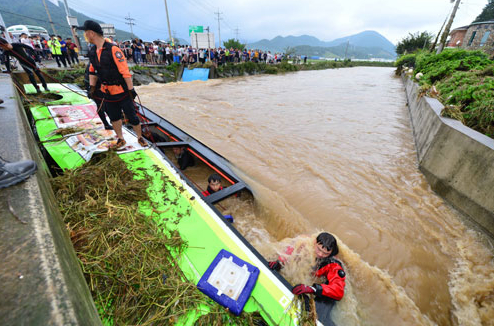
(73, 76)
(462, 80)
(143, 75)
(251, 68)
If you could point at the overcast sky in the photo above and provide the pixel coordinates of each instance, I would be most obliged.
(258, 19)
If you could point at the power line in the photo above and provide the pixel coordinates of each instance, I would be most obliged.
(96, 11)
(38, 19)
(130, 22)
(236, 33)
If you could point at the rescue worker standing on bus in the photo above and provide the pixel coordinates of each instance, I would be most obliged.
(109, 66)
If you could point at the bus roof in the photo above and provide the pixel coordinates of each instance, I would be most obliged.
(27, 28)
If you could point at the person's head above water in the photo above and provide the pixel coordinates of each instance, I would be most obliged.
(214, 182)
(326, 245)
(178, 150)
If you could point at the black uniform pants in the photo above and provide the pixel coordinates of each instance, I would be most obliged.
(29, 72)
(73, 56)
(59, 58)
(65, 56)
(115, 104)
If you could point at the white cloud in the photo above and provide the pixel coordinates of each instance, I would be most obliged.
(257, 19)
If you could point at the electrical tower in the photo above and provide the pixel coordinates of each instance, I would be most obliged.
(236, 32)
(130, 23)
(218, 13)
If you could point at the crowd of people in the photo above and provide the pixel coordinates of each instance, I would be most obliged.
(158, 52)
(64, 51)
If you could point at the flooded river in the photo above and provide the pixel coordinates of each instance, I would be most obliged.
(333, 150)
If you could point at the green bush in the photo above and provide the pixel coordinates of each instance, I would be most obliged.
(473, 94)
(271, 70)
(407, 60)
(436, 67)
(465, 81)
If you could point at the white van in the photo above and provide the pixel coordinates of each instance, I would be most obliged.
(30, 30)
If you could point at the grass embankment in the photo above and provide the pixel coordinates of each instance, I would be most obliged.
(462, 80)
(127, 258)
(76, 75)
(73, 76)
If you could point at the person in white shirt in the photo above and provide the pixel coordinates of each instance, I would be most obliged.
(168, 54)
(26, 41)
(156, 53)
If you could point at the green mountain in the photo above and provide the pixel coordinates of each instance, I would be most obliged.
(32, 12)
(364, 45)
(366, 39)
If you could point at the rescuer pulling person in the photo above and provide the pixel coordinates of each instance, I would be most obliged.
(109, 66)
(330, 272)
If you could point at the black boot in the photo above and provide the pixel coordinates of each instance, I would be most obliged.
(12, 173)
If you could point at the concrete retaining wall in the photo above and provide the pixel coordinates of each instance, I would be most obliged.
(456, 160)
(41, 280)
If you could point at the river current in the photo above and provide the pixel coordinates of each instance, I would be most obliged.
(333, 151)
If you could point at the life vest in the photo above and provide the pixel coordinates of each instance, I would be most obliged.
(105, 68)
(210, 191)
(334, 286)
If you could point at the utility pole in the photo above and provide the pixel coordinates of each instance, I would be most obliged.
(74, 36)
(2, 23)
(131, 23)
(49, 17)
(236, 32)
(169, 29)
(346, 49)
(433, 46)
(218, 13)
(209, 44)
(442, 44)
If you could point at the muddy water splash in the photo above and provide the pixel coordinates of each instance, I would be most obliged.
(333, 150)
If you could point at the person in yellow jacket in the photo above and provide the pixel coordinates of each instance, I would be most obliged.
(56, 50)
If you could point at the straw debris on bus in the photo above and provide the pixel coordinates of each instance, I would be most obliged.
(126, 257)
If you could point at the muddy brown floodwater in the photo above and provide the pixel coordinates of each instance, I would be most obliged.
(333, 150)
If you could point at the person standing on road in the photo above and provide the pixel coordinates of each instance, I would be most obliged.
(24, 54)
(56, 52)
(63, 49)
(109, 66)
(71, 50)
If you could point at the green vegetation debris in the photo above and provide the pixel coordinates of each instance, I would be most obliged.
(127, 258)
(464, 81)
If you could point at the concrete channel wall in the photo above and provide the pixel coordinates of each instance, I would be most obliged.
(456, 160)
(41, 280)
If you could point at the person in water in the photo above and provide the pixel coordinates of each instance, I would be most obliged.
(214, 185)
(327, 267)
(183, 157)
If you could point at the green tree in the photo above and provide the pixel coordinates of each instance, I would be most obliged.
(233, 43)
(486, 14)
(414, 42)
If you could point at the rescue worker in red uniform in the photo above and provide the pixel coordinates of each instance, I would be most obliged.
(327, 267)
(109, 66)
